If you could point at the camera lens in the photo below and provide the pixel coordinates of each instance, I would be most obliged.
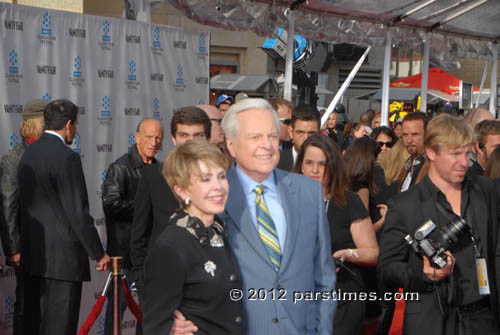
(452, 231)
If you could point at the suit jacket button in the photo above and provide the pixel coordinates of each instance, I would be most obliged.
(275, 320)
(232, 278)
(238, 320)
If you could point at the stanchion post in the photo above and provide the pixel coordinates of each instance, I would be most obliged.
(117, 264)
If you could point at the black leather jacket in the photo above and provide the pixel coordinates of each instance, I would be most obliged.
(118, 195)
(9, 200)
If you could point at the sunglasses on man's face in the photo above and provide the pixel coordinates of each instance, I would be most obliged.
(286, 122)
(387, 144)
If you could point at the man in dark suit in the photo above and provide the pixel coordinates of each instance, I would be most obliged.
(57, 232)
(462, 296)
(277, 229)
(154, 201)
(118, 195)
(305, 122)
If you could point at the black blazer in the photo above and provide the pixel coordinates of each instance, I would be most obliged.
(286, 157)
(398, 266)
(154, 205)
(57, 232)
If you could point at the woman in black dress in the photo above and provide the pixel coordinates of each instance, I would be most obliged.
(351, 230)
(191, 267)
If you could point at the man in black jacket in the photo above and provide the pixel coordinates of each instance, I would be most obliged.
(118, 195)
(461, 297)
(57, 232)
(154, 201)
(10, 227)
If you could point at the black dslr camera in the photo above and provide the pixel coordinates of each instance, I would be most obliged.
(432, 242)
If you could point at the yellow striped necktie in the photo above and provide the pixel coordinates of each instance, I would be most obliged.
(267, 229)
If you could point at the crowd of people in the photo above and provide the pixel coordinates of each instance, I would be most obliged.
(261, 220)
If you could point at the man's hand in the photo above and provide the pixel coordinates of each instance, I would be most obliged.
(436, 274)
(181, 325)
(103, 263)
(14, 260)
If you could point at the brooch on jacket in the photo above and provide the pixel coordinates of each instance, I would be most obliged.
(213, 235)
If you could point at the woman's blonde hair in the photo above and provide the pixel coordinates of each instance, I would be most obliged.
(32, 127)
(184, 160)
(392, 162)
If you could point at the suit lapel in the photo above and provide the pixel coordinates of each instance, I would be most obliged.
(237, 209)
(290, 202)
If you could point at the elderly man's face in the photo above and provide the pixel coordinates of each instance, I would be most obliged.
(256, 146)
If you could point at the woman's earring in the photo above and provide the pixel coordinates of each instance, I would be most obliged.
(187, 201)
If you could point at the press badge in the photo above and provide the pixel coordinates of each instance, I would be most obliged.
(482, 276)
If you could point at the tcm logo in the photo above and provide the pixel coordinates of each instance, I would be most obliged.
(156, 77)
(46, 24)
(106, 29)
(9, 307)
(156, 37)
(13, 25)
(13, 61)
(156, 108)
(76, 145)
(133, 39)
(131, 140)
(104, 116)
(13, 109)
(201, 80)
(105, 104)
(78, 33)
(180, 44)
(77, 65)
(105, 74)
(132, 111)
(104, 147)
(46, 69)
(81, 110)
(13, 140)
(46, 97)
(180, 79)
(202, 47)
(103, 178)
(131, 70)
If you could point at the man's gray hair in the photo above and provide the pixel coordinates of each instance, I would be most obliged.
(138, 130)
(230, 123)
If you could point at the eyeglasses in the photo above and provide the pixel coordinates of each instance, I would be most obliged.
(286, 122)
(387, 144)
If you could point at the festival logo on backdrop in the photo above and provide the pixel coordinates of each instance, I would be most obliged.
(46, 37)
(9, 308)
(13, 75)
(104, 111)
(132, 83)
(76, 145)
(156, 109)
(179, 81)
(46, 97)
(156, 48)
(131, 140)
(77, 79)
(106, 42)
(13, 140)
(202, 47)
(102, 177)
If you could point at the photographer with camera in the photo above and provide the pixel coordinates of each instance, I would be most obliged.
(440, 239)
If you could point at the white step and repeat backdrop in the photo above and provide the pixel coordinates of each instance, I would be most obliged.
(117, 72)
